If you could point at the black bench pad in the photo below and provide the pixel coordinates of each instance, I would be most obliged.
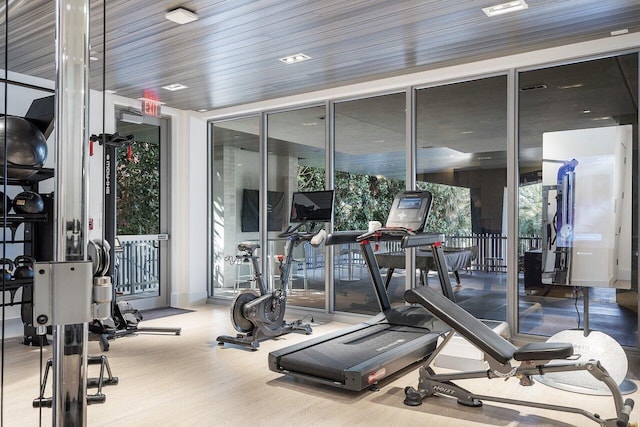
(461, 321)
(480, 334)
(543, 351)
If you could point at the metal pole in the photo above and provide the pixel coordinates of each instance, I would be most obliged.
(71, 118)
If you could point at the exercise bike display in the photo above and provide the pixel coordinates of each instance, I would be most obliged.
(260, 317)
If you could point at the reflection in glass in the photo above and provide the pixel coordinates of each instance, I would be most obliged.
(296, 162)
(369, 172)
(236, 166)
(462, 160)
(577, 139)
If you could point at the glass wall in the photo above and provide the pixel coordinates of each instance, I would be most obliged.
(461, 133)
(576, 201)
(234, 183)
(578, 142)
(369, 171)
(295, 162)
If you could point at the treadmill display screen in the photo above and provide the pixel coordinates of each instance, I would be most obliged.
(410, 203)
(312, 206)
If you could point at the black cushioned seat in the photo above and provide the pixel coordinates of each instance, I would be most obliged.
(543, 351)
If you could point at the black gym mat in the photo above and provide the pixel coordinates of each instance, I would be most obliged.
(157, 313)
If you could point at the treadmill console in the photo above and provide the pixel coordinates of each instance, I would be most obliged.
(410, 210)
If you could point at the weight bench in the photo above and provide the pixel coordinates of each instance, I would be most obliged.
(502, 356)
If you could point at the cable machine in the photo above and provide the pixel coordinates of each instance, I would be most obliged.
(124, 320)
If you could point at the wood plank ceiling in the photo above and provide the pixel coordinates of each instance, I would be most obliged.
(229, 56)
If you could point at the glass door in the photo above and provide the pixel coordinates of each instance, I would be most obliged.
(141, 226)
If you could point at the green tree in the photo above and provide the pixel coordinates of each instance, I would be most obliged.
(310, 179)
(138, 190)
(363, 198)
(450, 210)
(530, 212)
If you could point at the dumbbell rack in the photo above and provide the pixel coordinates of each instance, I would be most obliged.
(35, 226)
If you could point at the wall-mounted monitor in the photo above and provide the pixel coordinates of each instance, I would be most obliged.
(251, 210)
(312, 206)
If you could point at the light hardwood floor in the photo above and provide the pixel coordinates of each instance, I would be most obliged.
(189, 380)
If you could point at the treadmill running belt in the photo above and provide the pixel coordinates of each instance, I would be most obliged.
(330, 359)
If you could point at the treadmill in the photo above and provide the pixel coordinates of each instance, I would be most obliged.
(359, 356)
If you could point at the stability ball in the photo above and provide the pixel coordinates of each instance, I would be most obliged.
(26, 147)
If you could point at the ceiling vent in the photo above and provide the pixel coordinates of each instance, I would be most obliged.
(533, 87)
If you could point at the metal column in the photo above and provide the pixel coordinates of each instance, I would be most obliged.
(71, 118)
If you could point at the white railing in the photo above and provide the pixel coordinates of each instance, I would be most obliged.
(137, 265)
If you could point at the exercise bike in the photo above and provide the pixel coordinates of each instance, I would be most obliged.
(260, 317)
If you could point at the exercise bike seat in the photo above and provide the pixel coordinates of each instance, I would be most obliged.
(543, 351)
(248, 246)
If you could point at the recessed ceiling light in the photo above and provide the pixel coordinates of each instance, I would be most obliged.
(181, 16)
(619, 32)
(310, 124)
(601, 118)
(202, 110)
(466, 132)
(110, 91)
(174, 87)
(292, 59)
(502, 8)
(93, 58)
(586, 111)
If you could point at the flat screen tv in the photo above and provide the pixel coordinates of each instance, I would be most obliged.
(312, 206)
(251, 210)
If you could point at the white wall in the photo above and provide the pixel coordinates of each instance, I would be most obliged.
(193, 269)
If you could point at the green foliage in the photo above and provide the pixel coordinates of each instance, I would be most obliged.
(530, 212)
(138, 190)
(310, 179)
(450, 210)
(363, 198)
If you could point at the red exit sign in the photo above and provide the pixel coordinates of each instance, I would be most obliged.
(150, 103)
(150, 107)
